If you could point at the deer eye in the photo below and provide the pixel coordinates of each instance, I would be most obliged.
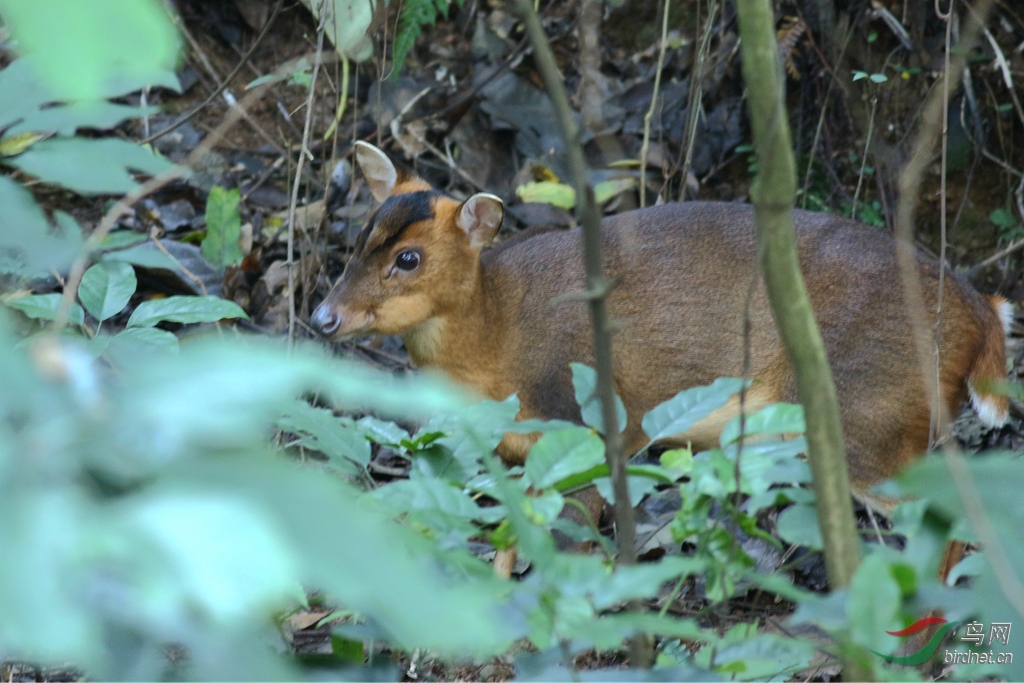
(407, 260)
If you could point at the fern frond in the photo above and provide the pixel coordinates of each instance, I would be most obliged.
(415, 15)
(788, 34)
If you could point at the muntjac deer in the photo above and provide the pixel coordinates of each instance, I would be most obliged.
(490, 318)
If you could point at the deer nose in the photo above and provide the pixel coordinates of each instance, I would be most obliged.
(325, 320)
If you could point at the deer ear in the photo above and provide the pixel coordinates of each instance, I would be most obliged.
(480, 218)
(378, 170)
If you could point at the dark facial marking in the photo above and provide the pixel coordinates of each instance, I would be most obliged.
(393, 217)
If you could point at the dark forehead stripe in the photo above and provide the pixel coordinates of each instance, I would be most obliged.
(394, 216)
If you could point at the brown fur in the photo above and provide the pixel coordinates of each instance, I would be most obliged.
(489, 320)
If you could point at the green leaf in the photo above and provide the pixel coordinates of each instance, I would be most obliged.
(22, 91)
(143, 256)
(28, 246)
(106, 47)
(223, 228)
(185, 309)
(679, 459)
(335, 437)
(562, 453)
(777, 418)
(119, 239)
(873, 604)
(66, 119)
(347, 22)
(147, 338)
(383, 432)
(11, 144)
(1002, 218)
(607, 189)
(44, 307)
(688, 407)
(225, 557)
(106, 288)
(89, 166)
(638, 487)
(798, 525)
(346, 650)
(548, 192)
(407, 495)
(584, 382)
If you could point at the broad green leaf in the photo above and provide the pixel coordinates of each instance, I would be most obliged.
(13, 144)
(688, 407)
(475, 429)
(229, 392)
(543, 509)
(382, 432)
(44, 307)
(548, 192)
(336, 437)
(346, 24)
(408, 495)
(798, 525)
(584, 382)
(226, 557)
(607, 189)
(184, 309)
(638, 488)
(119, 239)
(22, 91)
(873, 604)
(777, 418)
(679, 459)
(106, 288)
(92, 49)
(562, 453)
(641, 581)
(147, 338)
(28, 244)
(223, 228)
(38, 531)
(143, 256)
(761, 657)
(89, 166)
(66, 119)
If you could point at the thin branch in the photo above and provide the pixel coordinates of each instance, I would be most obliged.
(654, 103)
(910, 183)
(590, 219)
(947, 17)
(224, 84)
(695, 102)
(864, 156)
(303, 153)
(773, 194)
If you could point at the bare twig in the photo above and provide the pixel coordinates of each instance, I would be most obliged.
(909, 189)
(910, 183)
(694, 106)
(821, 121)
(773, 195)
(303, 153)
(597, 286)
(864, 156)
(224, 84)
(654, 104)
(937, 400)
(181, 266)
